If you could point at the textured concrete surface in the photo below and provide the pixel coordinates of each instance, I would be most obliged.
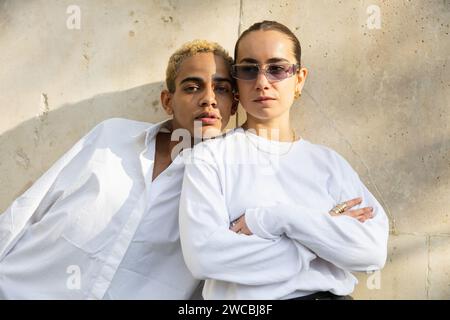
(57, 83)
(439, 267)
(405, 275)
(380, 97)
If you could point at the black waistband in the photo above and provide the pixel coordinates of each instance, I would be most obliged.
(326, 295)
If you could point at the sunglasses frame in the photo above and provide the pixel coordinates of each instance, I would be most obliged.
(293, 68)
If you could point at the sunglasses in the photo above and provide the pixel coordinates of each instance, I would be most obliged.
(273, 71)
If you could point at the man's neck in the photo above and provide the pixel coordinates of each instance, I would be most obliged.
(166, 145)
(163, 153)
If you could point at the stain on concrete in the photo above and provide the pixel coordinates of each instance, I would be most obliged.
(36, 136)
(131, 33)
(22, 158)
(155, 106)
(167, 19)
(447, 4)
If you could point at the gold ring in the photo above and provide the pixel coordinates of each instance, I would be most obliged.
(339, 208)
(343, 206)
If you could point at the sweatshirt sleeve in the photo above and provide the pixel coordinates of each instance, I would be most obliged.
(341, 240)
(213, 251)
(31, 206)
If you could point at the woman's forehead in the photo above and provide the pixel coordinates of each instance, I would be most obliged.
(265, 45)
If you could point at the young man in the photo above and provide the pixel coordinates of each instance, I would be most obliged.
(102, 223)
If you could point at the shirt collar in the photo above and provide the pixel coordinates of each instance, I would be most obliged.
(152, 131)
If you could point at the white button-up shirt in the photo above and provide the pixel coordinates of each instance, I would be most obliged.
(95, 225)
(297, 247)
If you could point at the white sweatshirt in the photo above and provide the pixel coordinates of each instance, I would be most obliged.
(286, 191)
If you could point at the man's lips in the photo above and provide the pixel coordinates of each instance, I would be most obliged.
(263, 98)
(208, 118)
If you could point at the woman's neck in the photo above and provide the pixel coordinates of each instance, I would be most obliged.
(274, 129)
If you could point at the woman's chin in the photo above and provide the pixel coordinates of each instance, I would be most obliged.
(264, 114)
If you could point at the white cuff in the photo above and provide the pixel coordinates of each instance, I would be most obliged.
(254, 221)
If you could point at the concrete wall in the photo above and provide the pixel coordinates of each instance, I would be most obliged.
(379, 94)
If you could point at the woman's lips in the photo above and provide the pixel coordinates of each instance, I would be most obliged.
(263, 99)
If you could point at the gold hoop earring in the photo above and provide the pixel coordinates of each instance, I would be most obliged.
(297, 94)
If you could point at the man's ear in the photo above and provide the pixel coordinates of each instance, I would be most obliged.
(235, 104)
(166, 101)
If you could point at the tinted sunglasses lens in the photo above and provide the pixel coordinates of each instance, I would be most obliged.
(246, 72)
(279, 72)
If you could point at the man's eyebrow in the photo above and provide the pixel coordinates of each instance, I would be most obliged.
(271, 60)
(191, 79)
(200, 80)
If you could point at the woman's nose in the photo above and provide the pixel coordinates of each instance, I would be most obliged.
(261, 82)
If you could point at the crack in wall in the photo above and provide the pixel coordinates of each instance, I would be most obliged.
(424, 234)
(428, 280)
(241, 14)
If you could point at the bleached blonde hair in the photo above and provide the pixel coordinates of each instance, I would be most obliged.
(188, 50)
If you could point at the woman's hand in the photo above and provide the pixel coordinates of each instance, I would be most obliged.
(361, 214)
(239, 226)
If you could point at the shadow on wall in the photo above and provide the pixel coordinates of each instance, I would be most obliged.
(32, 147)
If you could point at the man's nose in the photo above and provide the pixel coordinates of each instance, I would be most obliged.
(209, 98)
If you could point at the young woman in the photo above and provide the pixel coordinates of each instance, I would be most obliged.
(255, 218)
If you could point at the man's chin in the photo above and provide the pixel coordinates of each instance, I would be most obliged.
(209, 132)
